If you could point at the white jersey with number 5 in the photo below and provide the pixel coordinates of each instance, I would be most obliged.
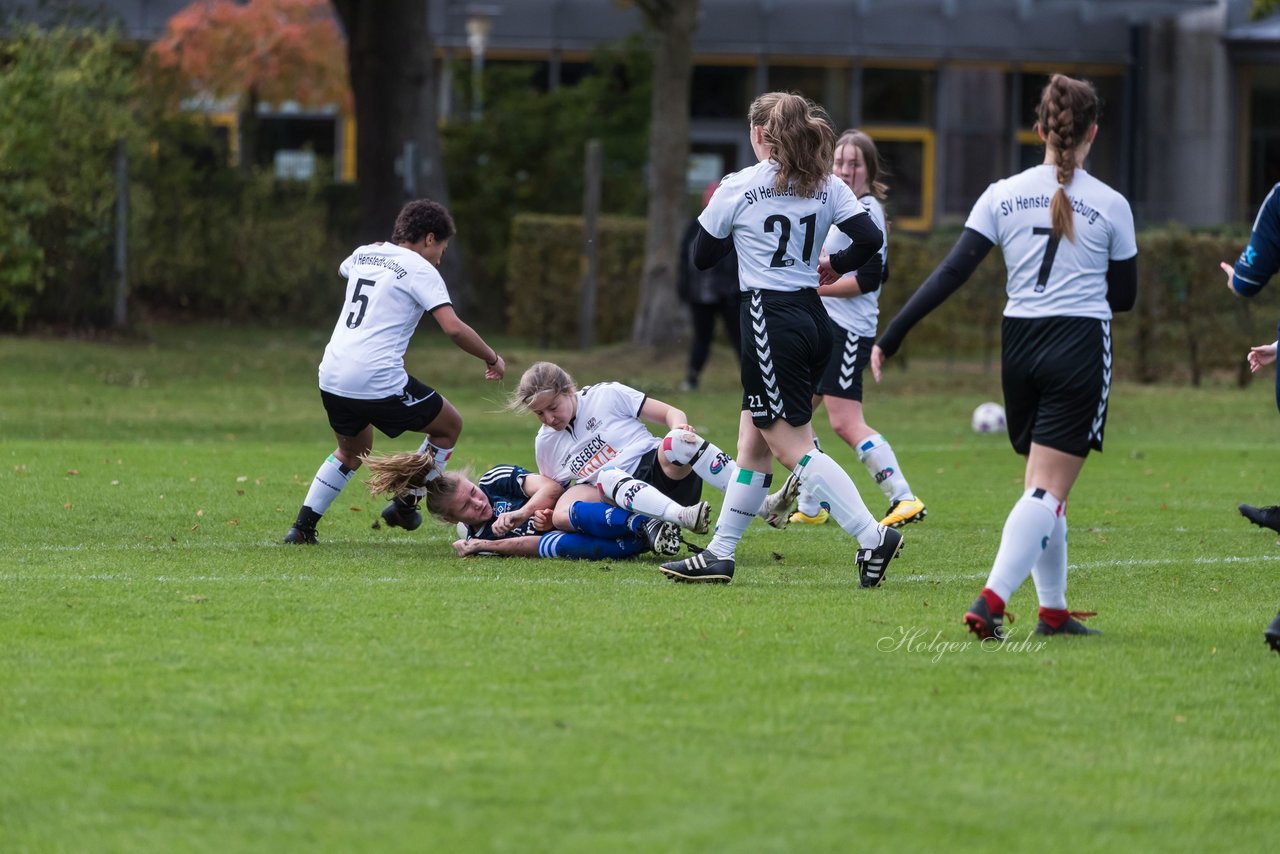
(605, 433)
(778, 235)
(1051, 277)
(388, 290)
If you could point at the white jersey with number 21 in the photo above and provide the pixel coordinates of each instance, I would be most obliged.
(778, 235)
(1051, 277)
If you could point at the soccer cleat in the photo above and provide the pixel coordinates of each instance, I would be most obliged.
(1070, 626)
(904, 511)
(1265, 517)
(695, 517)
(983, 623)
(1272, 634)
(701, 568)
(660, 537)
(400, 513)
(300, 536)
(872, 563)
(777, 507)
(819, 518)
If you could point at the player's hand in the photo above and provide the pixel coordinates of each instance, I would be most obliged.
(826, 275)
(462, 548)
(504, 523)
(1261, 356)
(1231, 278)
(542, 520)
(877, 361)
(496, 370)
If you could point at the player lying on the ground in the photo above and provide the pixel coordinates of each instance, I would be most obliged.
(508, 511)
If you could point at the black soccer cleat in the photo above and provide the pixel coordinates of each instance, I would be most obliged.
(659, 537)
(702, 568)
(1272, 634)
(1072, 626)
(402, 513)
(300, 536)
(873, 563)
(983, 623)
(1265, 517)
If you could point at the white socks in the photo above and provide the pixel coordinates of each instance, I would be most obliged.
(325, 486)
(1027, 531)
(875, 453)
(1050, 571)
(442, 457)
(742, 501)
(830, 483)
(637, 496)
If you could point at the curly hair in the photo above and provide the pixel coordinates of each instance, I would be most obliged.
(1068, 108)
(870, 159)
(800, 136)
(419, 218)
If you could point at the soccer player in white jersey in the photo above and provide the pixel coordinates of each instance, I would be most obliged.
(1069, 246)
(853, 304)
(776, 215)
(594, 442)
(363, 382)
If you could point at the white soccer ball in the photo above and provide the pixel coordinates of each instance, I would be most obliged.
(988, 418)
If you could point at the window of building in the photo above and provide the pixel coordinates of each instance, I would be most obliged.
(826, 85)
(975, 144)
(1263, 169)
(722, 91)
(897, 96)
(906, 155)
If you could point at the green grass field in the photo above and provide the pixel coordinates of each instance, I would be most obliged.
(173, 679)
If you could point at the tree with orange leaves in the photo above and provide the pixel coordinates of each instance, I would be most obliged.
(272, 50)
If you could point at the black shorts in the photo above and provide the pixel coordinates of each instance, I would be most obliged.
(1056, 373)
(413, 409)
(786, 343)
(850, 355)
(683, 492)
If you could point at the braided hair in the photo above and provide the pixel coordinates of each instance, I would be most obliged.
(1068, 108)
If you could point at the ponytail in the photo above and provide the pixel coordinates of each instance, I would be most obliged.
(1068, 108)
(800, 136)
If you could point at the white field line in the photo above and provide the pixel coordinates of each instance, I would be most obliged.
(589, 574)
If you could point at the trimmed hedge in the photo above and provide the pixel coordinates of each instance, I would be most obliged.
(544, 277)
(1185, 327)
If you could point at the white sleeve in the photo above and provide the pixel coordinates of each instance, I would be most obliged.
(982, 218)
(344, 269)
(846, 204)
(717, 218)
(428, 288)
(627, 400)
(542, 456)
(1124, 243)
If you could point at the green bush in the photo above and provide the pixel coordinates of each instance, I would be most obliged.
(545, 272)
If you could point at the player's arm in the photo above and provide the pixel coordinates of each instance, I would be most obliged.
(657, 412)
(867, 239)
(1261, 258)
(510, 547)
(1122, 284)
(542, 492)
(469, 341)
(850, 285)
(953, 272)
(708, 250)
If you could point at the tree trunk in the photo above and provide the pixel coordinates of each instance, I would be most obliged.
(389, 52)
(658, 314)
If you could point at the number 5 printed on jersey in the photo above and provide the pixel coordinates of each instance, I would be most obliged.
(356, 317)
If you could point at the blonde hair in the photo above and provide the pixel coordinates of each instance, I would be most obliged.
(1068, 108)
(401, 474)
(540, 377)
(870, 159)
(800, 136)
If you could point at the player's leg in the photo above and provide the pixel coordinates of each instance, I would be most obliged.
(704, 324)
(685, 452)
(330, 479)
(631, 493)
(423, 410)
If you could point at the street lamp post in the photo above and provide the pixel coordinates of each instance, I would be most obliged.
(479, 25)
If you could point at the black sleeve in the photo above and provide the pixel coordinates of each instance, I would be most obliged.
(867, 240)
(707, 250)
(953, 272)
(871, 274)
(1122, 284)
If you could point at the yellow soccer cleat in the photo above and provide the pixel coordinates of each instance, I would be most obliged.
(904, 510)
(819, 518)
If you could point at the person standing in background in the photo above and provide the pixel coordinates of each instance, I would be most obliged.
(710, 294)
